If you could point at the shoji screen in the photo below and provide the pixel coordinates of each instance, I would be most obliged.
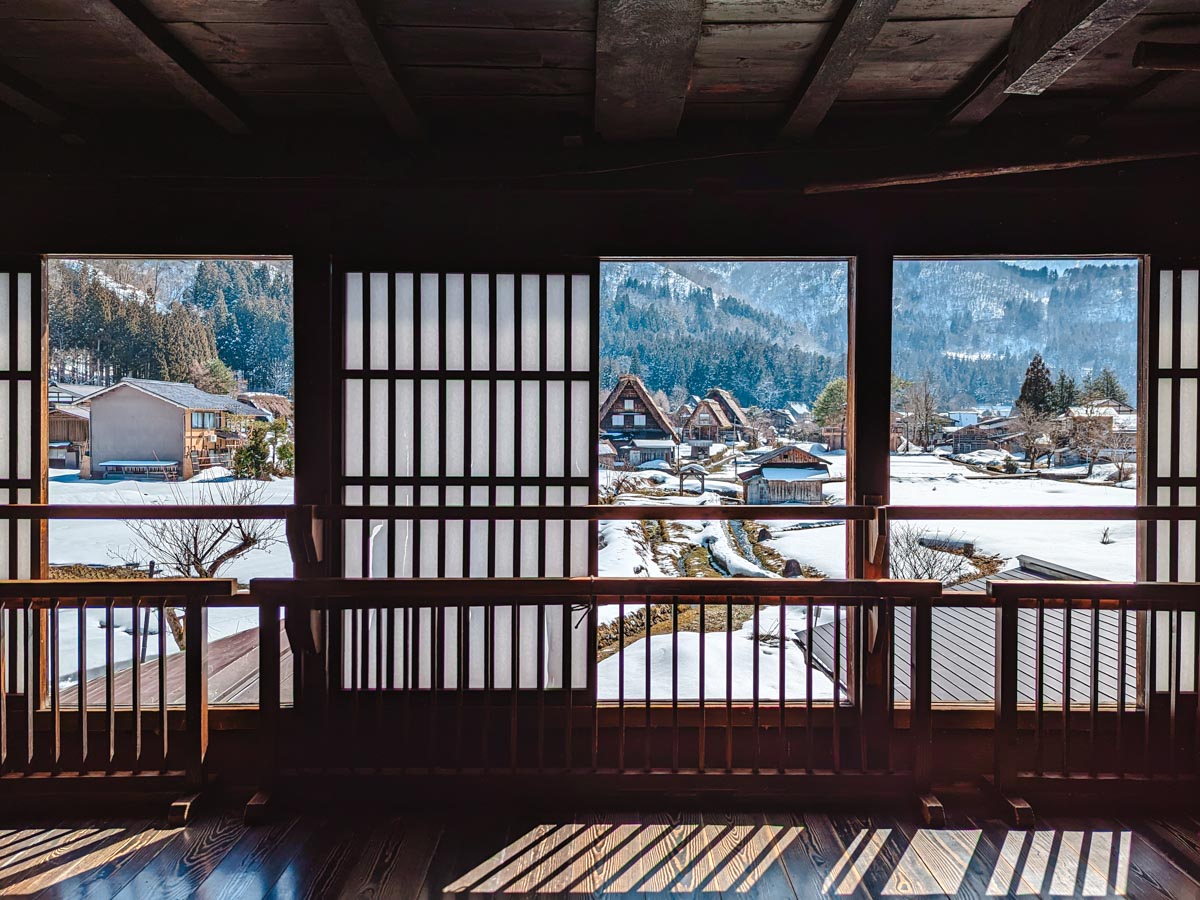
(465, 394)
(1172, 466)
(22, 440)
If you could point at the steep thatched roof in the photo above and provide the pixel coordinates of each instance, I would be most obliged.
(277, 405)
(652, 410)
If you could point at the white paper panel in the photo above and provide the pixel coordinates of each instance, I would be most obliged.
(506, 319)
(430, 446)
(505, 425)
(454, 550)
(531, 323)
(1162, 651)
(1166, 317)
(6, 428)
(353, 324)
(405, 346)
(481, 429)
(24, 322)
(456, 438)
(1186, 466)
(556, 429)
(531, 429)
(379, 450)
(377, 321)
(481, 335)
(1187, 538)
(1189, 326)
(24, 428)
(404, 433)
(430, 306)
(556, 323)
(456, 335)
(352, 464)
(581, 319)
(1165, 420)
(582, 437)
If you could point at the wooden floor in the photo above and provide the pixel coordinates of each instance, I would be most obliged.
(643, 855)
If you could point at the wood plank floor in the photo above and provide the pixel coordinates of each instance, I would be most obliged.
(765, 855)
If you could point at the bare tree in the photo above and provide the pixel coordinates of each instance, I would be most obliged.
(201, 548)
(921, 403)
(914, 554)
(1038, 432)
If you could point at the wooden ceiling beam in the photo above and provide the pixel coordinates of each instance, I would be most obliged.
(1167, 57)
(980, 100)
(134, 25)
(1051, 36)
(27, 98)
(856, 27)
(644, 55)
(360, 42)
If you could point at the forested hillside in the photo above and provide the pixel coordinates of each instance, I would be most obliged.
(971, 326)
(170, 319)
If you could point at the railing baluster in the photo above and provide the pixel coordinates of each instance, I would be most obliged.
(195, 661)
(268, 648)
(379, 681)
(162, 680)
(568, 672)
(110, 675)
(646, 693)
(54, 660)
(1005, 719)
(489, 663)
(1094, 693)
(783, 647)
(675, 684)
(1174, 680)
(621, 686)
(702, 737)
(921, 693)
(4, 664)
(31, 685)
(757, 688)
(837, 677)
(81, 691)
(1148, 704)
(137, 688)
(463, 658)
(1039, 697)
(1122, 637)
(540, 645)
(1066, 689)
(514, 685)
(728, 684)
(808, 686)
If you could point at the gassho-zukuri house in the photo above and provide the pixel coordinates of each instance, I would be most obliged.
(788, 474)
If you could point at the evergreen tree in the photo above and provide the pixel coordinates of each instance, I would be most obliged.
(1037, 389)
(1065, 395)
(1105, 386)
(830, 406)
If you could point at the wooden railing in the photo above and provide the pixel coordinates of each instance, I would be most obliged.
(117, 722)
(500, 676)
(1096, 682)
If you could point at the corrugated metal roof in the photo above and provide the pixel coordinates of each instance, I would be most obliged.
(187, 396)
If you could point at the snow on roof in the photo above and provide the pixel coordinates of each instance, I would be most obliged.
(607, 449)
(792, 473)
(145, 463)
(650, 444)
(78, 412)
(184, 395)
(75, 390)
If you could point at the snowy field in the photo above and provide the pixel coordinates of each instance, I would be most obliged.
(107, 542)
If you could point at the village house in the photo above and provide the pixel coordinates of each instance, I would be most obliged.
(789, 474)
(70, 431)
(743, 429)
(60, 393)
(632, 422)
(163, 429)
(707, 425)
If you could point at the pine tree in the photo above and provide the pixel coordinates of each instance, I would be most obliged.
(1066, 394)
(1105, 386)
(1037, 389)
(830, 406)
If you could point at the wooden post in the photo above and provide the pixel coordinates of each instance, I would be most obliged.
(1005, 734)
(196, 689)
(317, 336)
(268, 710)
(868, 406)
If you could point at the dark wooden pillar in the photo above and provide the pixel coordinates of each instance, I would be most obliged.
(316, 430)
(868, 409)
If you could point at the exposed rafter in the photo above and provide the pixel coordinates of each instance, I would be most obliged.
(26, 97)
(133, 24)
(1051, 36)
(983, 96)
(357, 36)
(857, 25)
(644, 54)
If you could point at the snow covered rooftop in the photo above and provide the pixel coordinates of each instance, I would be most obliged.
(788, 473)
(650, 444)
(139, 463)
(184, 395)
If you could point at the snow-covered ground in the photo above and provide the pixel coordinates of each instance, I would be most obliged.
(106, 542)
(661, 672)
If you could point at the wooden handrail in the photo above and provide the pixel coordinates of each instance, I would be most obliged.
(1134, 595)
(69, 591)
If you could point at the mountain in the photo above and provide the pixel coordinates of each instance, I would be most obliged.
(969, 325)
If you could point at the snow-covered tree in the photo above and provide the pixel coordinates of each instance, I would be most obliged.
(1037, 388)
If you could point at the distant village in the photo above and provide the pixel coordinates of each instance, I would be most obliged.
(782, 450)
(139, 428)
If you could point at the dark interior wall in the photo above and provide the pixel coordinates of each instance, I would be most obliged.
(1136, 208)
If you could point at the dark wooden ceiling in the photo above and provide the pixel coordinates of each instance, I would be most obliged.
(822, 73)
